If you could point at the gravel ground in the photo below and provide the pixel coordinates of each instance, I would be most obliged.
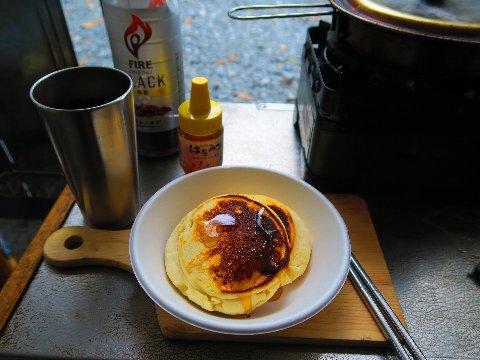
(245, 61)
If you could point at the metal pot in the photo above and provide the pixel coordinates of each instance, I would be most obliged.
(437, 37)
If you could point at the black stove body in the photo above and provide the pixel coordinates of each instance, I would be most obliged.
(364, 123)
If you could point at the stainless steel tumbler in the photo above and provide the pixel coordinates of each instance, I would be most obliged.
(89, 116)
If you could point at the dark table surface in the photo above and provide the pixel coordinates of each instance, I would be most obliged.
(431, 243)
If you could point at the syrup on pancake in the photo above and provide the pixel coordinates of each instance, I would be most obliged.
(248, 238)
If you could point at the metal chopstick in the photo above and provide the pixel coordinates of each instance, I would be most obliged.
(378, 315)
(385, 316)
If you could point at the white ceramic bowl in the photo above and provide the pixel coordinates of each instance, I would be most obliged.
(300, 300)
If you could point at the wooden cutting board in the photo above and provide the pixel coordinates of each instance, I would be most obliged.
(346, 320)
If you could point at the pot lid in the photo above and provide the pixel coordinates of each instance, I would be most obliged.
(443, 19)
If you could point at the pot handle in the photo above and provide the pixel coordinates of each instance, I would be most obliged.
(232, 11)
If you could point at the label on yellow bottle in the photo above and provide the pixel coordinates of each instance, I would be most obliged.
(198, 154)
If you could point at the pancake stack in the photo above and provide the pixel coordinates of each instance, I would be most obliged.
(233, 252)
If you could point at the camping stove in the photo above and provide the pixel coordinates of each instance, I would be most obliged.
(362, 122)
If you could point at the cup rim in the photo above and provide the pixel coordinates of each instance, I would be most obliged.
(75, 68)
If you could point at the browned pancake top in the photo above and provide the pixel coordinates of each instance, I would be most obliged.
(250, 241)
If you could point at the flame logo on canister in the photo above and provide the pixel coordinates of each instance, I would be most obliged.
(136, 35)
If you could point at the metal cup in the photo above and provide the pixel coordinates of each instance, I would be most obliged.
(89, 116)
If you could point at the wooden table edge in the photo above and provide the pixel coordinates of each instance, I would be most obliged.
(18, 281)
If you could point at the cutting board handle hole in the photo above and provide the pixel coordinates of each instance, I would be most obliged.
(73, 242)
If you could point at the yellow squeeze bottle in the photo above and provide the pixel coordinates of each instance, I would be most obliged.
(200, 129)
